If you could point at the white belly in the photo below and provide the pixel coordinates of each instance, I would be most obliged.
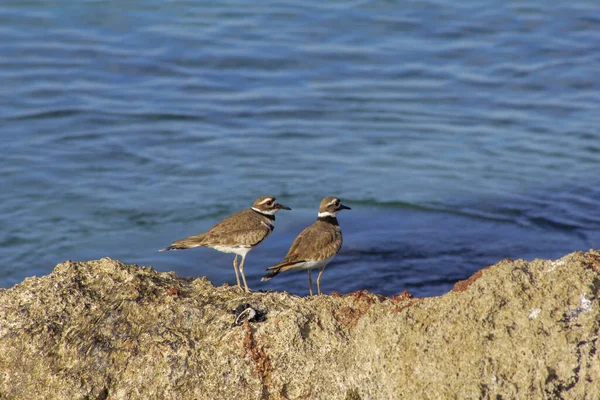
(240, 251)
(312, 264)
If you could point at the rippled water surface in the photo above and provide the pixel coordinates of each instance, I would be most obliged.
(460, 134)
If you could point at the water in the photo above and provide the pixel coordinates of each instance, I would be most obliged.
(460, 134)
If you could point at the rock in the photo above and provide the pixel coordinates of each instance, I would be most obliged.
(106, 330)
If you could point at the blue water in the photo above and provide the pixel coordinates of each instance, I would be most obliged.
(460, 134)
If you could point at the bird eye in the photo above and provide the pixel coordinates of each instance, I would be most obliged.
(337, 203)
(269, 203)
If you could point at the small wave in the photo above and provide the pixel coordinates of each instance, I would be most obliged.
(50, 114)
(472, 213)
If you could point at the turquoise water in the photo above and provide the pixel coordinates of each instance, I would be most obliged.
(460, 134)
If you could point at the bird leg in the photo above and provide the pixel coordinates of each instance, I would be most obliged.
(235, 268)
(243, 275)
(309, 283)
(319, 279)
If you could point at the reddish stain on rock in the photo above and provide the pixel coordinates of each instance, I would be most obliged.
(262, 363)
(461, 286)
(402, 301)
(363, 300)
(348, 316)
(404, 307)
(366, 296)
(398, 298)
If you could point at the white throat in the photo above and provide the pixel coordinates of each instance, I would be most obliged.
(268, 212)
(327, 214)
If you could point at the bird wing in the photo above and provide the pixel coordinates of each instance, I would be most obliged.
(243, 220)
(245, 228)
(237, 238)
(314, 243)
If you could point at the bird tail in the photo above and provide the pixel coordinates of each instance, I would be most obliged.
(270, 275)
(276, 269)
(187, 243)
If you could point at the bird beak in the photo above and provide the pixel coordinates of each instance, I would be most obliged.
(343, 207)
(281, 207)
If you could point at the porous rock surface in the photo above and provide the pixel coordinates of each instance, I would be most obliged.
(106, 330)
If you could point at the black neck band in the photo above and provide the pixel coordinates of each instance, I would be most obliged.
(329, 219)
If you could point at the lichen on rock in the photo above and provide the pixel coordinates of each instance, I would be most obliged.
(106, 330)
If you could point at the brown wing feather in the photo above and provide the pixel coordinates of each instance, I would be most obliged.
(245, 228)
(317, 242)
(192, 241)
(237, 238)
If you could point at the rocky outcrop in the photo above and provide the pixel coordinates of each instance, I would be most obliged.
(106, 330)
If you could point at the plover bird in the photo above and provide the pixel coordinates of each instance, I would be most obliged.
(316, 245)
(238, 233)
